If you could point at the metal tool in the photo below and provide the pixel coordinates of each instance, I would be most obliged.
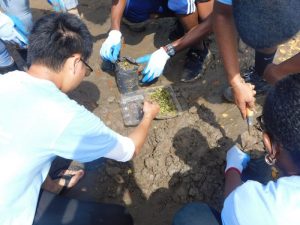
(130, 59)
(250, 116)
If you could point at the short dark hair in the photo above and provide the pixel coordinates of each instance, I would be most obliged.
(56, 37)
(281, 113)
(264, 23)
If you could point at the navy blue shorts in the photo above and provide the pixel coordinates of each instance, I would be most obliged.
(140, 10)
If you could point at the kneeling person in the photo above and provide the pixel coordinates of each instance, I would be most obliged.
(39, 122)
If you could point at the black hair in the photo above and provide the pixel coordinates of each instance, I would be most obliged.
(56, 37)
(281, 113)
(266, 23)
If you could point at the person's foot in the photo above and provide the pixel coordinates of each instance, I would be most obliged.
(250, 76)
(66, 179)
(196, 63)
(177, 32)
(261, 86)
(136, 27)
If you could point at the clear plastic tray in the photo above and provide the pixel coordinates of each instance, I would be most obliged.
(132, 105)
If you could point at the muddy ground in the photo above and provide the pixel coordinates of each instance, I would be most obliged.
(183, 158)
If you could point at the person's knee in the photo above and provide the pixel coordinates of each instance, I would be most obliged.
(136, 11)
(5, 58)
(20, 9)
(194, 214)
(188, 213)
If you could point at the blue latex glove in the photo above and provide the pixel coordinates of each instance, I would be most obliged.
(12, 30)
(58, 5)
(111, 47)
(156, 64)
(237, 159)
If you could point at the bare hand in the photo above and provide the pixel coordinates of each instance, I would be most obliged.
(272, 73)
(244, 96)
(150, 109)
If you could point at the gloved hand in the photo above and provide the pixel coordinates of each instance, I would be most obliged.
(236, 159)
(156, 63)
(111, 47)
(13, 31)
(58, 5)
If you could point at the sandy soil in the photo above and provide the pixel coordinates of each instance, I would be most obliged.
(183, 158)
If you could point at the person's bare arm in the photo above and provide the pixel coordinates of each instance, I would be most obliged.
(194, 35)
(139, 135)
(225, 32)
(274, 73)
(117, 10)
(226, 37)
(232, 181)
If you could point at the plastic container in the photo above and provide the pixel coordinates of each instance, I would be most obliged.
(127, 76)
(172, 98)
(107, 66)
(132, 108)
(132, 105)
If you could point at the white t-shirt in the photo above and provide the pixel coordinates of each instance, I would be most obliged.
(227, 2)
(277, 203)
(37, 123)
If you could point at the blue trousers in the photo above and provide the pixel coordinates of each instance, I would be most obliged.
(140, 10)
(58, 210)
(197, 213)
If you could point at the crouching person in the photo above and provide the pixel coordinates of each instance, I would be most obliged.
(39, 122)
(277, 202)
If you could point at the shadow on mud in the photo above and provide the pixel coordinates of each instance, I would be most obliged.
(86, 94)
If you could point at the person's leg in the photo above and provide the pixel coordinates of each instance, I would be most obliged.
(21, 10)
(138, 12)
(199, 56)
(197, 214)
(204, 8)
(6, 61)
(56, 209)
(263, 57)
(254, 75)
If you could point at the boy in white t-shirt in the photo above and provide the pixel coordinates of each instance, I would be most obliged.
(251, 202)
(39, 122)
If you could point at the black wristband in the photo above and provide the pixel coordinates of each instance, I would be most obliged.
(170, 50)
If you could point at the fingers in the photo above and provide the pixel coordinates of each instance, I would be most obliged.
(151, 109)
(109, 52)
(107, 55)
(114, 55)
(115, 52)
(243, 110)
(143, 59)
(76, 175)
(74, 180)
(148, 75)
(103, 52)
(148, 78)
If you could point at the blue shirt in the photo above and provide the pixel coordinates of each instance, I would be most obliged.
(37, 123)
(277, 203)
